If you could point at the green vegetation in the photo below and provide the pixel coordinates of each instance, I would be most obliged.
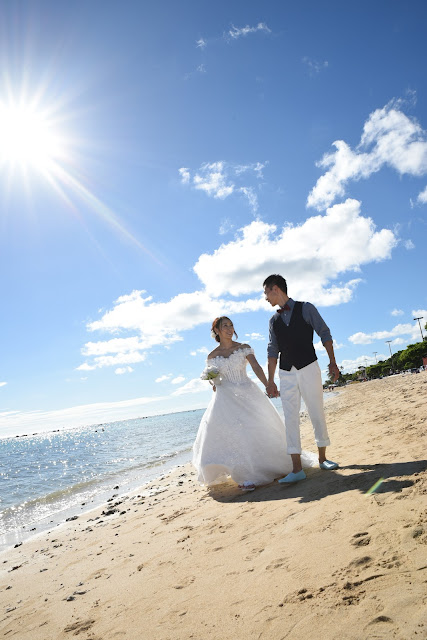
(409, 358)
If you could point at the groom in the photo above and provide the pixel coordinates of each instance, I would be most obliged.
(291, 335)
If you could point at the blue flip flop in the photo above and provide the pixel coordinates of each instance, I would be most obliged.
(293, 477)
(328, 465)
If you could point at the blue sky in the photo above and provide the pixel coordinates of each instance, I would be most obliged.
(159, 160)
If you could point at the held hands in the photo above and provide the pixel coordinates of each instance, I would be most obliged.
(334, 372)
(271, 390)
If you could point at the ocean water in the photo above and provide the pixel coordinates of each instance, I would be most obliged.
(47, 477)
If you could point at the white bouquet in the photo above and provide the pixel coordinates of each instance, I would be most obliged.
(211, 373)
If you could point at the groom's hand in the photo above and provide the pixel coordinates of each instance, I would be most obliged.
(271, 390)
(334, 371)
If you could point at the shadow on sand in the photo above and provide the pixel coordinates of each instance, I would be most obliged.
(320, 484)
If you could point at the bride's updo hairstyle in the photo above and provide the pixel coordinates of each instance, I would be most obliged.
(217, 324)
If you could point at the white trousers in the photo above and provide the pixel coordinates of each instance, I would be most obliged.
(305, 383)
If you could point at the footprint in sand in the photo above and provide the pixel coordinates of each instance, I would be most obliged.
(182, 539)
(79, 627)
(361, 539)
(174, 515)
(185, 583)
(254, 553)
(96, 574)
(363, 562)
(391, 562)
(277, 564)
(379, 619)
(419, 534)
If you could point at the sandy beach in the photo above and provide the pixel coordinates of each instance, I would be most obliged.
(319, 559)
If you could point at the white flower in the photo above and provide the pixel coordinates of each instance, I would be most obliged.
(210, 373)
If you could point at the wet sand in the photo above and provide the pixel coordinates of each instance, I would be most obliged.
(319, 559)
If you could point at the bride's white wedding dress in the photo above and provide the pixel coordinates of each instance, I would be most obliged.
(241, 433)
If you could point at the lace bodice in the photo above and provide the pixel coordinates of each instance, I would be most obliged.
(233, 368)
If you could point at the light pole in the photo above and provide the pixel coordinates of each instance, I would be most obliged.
(391, 355)
(419, 324)
(375, 354)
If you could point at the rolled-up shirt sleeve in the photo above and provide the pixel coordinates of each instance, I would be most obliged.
(313, 317)
(273, 347)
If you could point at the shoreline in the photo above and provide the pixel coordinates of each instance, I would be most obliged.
(66, 526)
(322, 558)
(50, 522)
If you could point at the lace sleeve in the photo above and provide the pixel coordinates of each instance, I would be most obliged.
(248, 351)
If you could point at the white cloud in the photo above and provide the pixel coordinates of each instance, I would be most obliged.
(395, 332)
(163, 378)
(318, 346)
(236, 32)
(121, 370)
(178, 380)
(340, 241)
(203, 350)
(116, 345)
(409, 245)
(254, 336)
(185, 175)
(397, 312)
(220, 180)
(110, 361)
(114, 352)
(193, 386)
(213, 180)
(315, 66)
(257, 168)
(226, 226)
(2, 384)
(350, 366)
(390, 138)
(201, 43)
(156, 323)
(201, 68)
(422, 197)
(420, 312)
(251, 196)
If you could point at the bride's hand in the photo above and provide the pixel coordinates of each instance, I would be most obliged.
(271, 390)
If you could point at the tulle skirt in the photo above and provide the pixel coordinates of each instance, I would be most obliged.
(242, 436)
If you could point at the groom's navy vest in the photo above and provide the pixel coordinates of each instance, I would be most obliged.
(295, 341)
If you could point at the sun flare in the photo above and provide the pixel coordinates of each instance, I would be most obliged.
(28, 138)
(32, 143)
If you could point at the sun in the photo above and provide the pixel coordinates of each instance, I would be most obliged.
(35, 141)
(29, 138)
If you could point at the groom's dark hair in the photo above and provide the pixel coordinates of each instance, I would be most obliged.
(277, 280)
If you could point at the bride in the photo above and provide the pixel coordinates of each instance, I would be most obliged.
(241, 434)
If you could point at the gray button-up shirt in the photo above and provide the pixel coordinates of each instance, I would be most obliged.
(310, 315)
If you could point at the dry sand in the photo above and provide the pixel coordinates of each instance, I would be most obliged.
(317, 560)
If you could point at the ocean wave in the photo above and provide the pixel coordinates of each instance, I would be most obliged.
(81, 493)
